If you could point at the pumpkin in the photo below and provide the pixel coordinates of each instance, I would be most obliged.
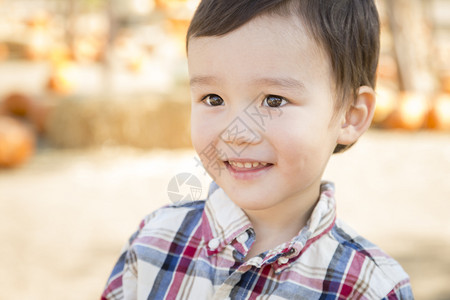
(17, 104)
(439, 117)
(411, 113)
(63, 78)
(385, 105)
(16, 142)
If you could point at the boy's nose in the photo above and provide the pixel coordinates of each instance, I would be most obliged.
(240, 131)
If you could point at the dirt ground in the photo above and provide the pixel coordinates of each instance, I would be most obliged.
(66, 214)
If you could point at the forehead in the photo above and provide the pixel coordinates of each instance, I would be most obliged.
(268, 44)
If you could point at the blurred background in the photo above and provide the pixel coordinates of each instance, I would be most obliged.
(94, 124)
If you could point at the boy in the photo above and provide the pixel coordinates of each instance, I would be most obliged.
(277, 87)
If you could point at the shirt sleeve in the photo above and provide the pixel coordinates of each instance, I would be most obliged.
(402, 291)
(122, 282)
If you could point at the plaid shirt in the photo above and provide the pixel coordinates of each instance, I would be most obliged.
(196, 251)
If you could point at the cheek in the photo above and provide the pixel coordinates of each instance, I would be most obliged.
(289, 138)
(198, 139)
(292, 131)
(203, 131)
(300, 140)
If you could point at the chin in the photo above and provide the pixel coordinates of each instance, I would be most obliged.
(250, 200)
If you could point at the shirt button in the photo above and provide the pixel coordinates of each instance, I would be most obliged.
(290, 252)
(283, 260)
(257, 260)
(214, 244)
(243, 237)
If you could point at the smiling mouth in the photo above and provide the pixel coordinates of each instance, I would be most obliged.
(247, 166)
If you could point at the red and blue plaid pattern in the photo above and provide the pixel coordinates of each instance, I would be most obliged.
(197, 250)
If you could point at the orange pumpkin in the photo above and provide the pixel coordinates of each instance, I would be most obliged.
(411, 113)
(16, 142)
(439, 117)
(63, 78)
(385, 105)
(17, 104)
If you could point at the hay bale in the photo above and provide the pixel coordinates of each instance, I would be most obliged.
(148, 122)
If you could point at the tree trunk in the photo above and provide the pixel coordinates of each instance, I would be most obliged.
(412, 42)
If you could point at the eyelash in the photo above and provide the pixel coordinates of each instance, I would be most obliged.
(208, 97)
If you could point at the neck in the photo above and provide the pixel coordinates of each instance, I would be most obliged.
(280, 223)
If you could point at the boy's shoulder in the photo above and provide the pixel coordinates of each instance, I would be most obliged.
(349, 238)
(173, 216)
(357, 257)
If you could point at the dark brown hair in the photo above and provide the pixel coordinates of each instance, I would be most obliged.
(348, 30)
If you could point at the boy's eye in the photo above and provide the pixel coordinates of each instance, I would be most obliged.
(274, 101)
(213, 100)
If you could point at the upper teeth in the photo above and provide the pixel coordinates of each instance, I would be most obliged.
(247, 165)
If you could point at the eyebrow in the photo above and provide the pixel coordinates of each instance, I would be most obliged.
(203, 80)
(283, 82)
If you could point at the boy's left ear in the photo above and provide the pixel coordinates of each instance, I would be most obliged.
(358, 117)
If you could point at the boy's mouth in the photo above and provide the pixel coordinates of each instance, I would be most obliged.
(247, 166)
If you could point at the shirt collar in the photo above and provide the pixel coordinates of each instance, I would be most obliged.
(223, 221)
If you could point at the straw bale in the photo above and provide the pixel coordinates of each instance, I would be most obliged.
(144, 122)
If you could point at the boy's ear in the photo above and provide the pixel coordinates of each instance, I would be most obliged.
(358, 117)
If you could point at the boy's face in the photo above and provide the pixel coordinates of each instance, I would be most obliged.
(262, 112)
